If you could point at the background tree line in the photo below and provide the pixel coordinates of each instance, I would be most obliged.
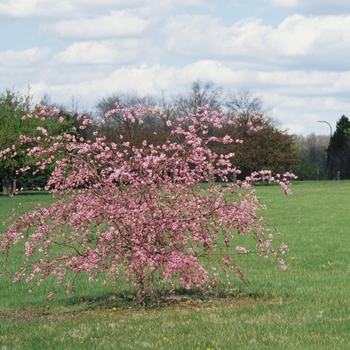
(270, 148)
(310, 157)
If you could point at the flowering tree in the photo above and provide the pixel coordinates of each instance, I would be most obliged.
(140, 214)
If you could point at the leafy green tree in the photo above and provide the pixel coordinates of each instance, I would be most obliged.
(260, 146)
(13, 106)
(14, 122)
(69, 113)
(309, 169)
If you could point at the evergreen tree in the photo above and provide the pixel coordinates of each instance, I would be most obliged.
(338, 151)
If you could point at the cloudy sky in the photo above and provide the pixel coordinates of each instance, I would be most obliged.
(294, 53)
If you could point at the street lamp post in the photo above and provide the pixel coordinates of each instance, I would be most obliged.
(330, 145)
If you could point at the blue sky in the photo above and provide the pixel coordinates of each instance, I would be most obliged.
(295, 54)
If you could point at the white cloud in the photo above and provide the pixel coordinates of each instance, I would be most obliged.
(314, 6)
(336, 104)
(110, 52)
(105, 57)
(116, 24)
(141, 80)
(292, 4)
(319, 40)
(296, 99)
(27, 58)
(85, 8)
(62, 8)
(299, 122)
(19, 67)
(305, 83)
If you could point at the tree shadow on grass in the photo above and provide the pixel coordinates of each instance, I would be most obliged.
(125, 302)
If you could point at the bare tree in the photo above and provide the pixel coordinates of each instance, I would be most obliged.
(73, 106)
(125, 100)
(116, 126)
(75, 102)
(244, 102)
(199, 96)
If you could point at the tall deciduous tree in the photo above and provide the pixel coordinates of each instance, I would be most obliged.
(200, 95)
(270, 148)
(244, 102)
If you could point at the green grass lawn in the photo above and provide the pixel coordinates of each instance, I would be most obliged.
(305, 307)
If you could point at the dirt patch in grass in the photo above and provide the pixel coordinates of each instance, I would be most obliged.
(125, 307)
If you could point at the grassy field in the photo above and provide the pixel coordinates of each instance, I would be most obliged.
(305, 307)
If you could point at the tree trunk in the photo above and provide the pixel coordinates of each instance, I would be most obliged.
(141, 291)
(8, 185)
